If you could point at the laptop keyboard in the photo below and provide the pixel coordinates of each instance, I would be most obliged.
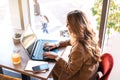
(38, 52)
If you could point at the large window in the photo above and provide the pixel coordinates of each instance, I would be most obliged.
(9, 14)
(56, 11)
(4, 13)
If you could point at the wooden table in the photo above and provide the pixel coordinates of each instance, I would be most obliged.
(6, 49)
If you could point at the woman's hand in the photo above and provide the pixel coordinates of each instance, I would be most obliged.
(51, 45)
(50, 55)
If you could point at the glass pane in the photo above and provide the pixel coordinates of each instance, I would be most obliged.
(112, 36)
(56, 11)
(6, 9)
(97, 11)
(4, 14)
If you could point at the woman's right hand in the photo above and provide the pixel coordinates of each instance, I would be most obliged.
(50, 55)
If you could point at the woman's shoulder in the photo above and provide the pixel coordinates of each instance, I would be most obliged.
(78, 47)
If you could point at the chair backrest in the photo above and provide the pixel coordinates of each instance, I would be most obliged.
(105, 66)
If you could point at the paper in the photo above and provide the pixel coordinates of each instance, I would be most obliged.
(32, 63)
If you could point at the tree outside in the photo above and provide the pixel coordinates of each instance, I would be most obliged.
(113, 23)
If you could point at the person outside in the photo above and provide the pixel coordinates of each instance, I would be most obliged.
(84, 55)
(36, 8)
(44, 21)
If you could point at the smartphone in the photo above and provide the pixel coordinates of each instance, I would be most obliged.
(40, 67)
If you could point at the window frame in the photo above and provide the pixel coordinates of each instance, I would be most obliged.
(103, 22)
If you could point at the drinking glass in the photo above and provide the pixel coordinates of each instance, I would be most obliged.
(16, 58)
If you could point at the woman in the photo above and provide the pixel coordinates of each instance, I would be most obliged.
(84, 56)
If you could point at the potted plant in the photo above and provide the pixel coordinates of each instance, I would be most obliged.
(16, 38)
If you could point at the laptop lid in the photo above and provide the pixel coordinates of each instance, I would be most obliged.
(28, 40)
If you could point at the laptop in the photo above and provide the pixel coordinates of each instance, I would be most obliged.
(34, 46)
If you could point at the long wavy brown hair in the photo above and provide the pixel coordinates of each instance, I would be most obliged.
(81, 29)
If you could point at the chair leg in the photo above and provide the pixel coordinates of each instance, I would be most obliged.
(25, 77)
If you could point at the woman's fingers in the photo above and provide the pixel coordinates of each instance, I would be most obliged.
(50, 55)
(46, 53)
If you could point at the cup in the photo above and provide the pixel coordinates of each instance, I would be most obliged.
(16, 58)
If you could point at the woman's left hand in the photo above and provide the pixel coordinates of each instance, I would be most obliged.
(50, 55)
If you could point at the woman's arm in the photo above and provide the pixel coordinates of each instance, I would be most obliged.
(76, 60)
(64, 43)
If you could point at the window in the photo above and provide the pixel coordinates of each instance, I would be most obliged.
(112, 36)
(9, 14)
(56, 11)
(113, 23)
(4, 13)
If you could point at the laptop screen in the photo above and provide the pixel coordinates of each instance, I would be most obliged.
(28, 39)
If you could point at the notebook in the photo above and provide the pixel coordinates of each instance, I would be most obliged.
(34, 46)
